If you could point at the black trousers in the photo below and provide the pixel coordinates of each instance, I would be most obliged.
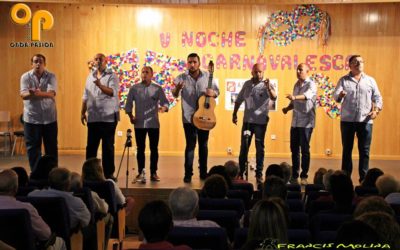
(154, 136)
(191, 135)
(104, 132)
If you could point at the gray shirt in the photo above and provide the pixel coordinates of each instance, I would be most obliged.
(304, 110)
(192, 91)
(359, 98)
(147, 99)
(39, 110)
(256, 99)
(101, 107)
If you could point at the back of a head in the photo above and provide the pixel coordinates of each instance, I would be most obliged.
(92, 170)
(319, 176)
(184, 203)
(76, 181)
(387, 184)
(60, 179)
(342, 189)
(371, 176)
(385, 225)
(274, 169)
(23, 177)
(268, 220)
(274, 187)
(326, 179)
(356, 232)
(373, 204)
(8, 182)
(43, 167)
(155, 221)
(215, 186)
(232, 168)
(287, 171)
(221, 170)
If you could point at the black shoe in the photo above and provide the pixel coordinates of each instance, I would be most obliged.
(187, 179)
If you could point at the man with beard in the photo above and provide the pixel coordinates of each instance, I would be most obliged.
(191, 85)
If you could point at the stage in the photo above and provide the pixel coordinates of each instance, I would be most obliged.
(171, 172)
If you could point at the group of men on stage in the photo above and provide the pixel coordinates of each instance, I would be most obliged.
(358, 93)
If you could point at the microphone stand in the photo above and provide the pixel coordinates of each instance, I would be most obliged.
(128, 144)
(247, 134)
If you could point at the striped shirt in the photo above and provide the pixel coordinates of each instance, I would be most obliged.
(357, 103)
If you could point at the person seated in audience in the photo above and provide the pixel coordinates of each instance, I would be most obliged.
(155, 222)
(100, 205)
(23, 177)
(373, 204)
(184, 204)
(40, 174)
(215, 187)
(387, 184)
(371, 176)
(5, 246)
(59, 186)
(221, 170)
(274, 187)
(268, 225)
(92, 170)
(287, 171)
(319, 176)
(233, 170)
(356, 232)
(274, 169)
(385, 225)
(342, 191)
(8, 190)
(325, 194)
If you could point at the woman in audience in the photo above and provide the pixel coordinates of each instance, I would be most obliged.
(92, 170)
(221, 170)
(40, 174)
(319, 176)
(371, 177)
(215, 187)
(268, 225)
(387, 184)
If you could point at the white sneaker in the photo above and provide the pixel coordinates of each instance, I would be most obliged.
(141, 178)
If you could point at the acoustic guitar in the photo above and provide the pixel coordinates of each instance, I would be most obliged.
(204, 117)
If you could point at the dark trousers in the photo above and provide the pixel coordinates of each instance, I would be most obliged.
(154, 136)
(363, 131)
(191, 135)
(34, 134)
(104, 132)
(258, 130)
(300, 142)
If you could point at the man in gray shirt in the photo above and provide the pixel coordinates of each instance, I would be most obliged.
(100, 101)
(303, 104)
(193, 84)
(361, 104)
(38, 90)
(256, 95)
(149, 99)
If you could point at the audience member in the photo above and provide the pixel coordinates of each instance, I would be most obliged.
(373, 204)
(59, 186)
(221, 170)
(287, 171)
(264, 221)
(92, 170)
(356, 232)
(215, 187)
(274, 187)
(8, 190)
(23, 177)
(43, 167)
(371, 177)
(233, 170)
(342, 191)
(386, 184)
(319, 176)
(184, 204)
(155, 221)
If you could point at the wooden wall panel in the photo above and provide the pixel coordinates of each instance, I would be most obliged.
(81, 30)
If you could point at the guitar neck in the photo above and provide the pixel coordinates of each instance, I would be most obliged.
(210, 78)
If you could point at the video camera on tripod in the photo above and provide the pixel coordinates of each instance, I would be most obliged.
(128, 142)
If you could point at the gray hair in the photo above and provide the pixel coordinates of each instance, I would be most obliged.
(184, 203)
(8, 182)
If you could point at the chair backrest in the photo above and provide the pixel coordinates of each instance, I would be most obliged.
(105, 190)
(365, 191)
(313, 187)
(55, 213)
(240, 194)
(293, 187)
(222, 204)
(199, 237)
(5, 116)
(327, 222)
(316, 206)
(295, 205)
(225, 218)
(244, 186)
(299, 236)
(16, 229)
(240, 237)
(294, 195)
(298, 220)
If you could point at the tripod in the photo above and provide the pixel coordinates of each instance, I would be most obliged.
(247, 134)
(128, 144)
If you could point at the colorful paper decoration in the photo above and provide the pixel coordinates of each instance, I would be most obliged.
(319, 23)
(325, 100)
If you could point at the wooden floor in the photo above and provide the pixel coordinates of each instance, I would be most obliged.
(171, 172)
